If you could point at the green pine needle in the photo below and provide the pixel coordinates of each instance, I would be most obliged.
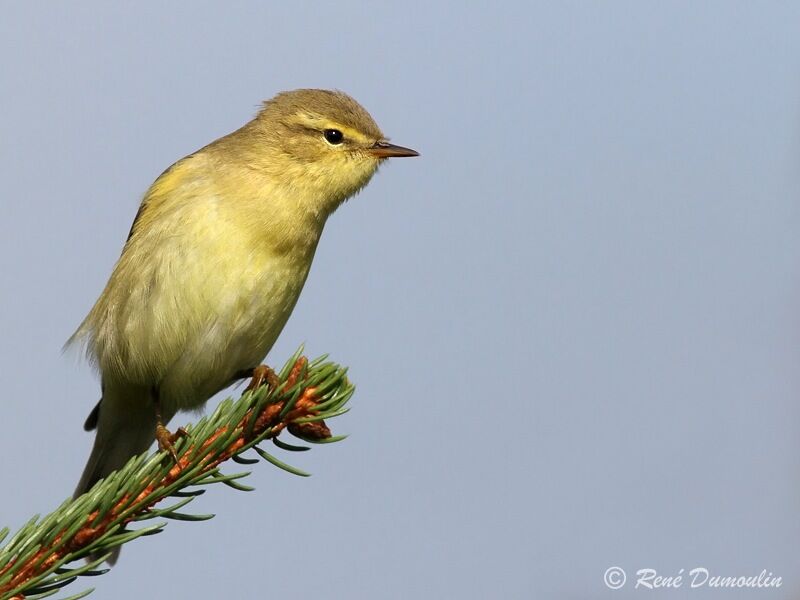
(47, 554)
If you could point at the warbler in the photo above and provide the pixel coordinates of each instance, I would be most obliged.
(214, 264)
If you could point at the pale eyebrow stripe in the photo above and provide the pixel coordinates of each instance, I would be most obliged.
(304, 122)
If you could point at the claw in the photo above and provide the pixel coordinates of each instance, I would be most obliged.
(260, 375)
(166, 440)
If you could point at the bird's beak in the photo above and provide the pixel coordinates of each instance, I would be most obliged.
(382, 149)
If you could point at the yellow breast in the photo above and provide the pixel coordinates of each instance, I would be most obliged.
(211, 272)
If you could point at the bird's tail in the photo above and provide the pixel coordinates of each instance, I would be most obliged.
(124, 429)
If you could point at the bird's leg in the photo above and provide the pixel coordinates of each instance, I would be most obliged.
(166, 440)
(259, 376)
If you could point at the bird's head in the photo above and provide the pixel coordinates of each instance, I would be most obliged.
(320, 144)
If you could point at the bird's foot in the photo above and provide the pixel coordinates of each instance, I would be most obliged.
(166, 440)
(259, 376)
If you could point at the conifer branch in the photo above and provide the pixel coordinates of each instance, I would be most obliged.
(48, 553)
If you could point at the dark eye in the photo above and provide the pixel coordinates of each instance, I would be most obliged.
(333, 136)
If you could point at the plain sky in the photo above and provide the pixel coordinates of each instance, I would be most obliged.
(574, 321)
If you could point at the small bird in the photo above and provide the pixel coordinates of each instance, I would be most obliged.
(214, 263)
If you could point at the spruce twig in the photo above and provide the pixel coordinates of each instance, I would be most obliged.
(46, 554)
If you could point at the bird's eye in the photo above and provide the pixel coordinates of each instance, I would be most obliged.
(333, 136)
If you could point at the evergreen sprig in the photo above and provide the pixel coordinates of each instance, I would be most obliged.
(38, 560)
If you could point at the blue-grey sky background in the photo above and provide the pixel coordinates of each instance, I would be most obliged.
(574, 322)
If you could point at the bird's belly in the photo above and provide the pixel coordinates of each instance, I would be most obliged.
(243, 316)
(195, 315)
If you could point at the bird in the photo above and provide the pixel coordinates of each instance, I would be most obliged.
(214, 263)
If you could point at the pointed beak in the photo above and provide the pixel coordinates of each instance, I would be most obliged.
(383, 149)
